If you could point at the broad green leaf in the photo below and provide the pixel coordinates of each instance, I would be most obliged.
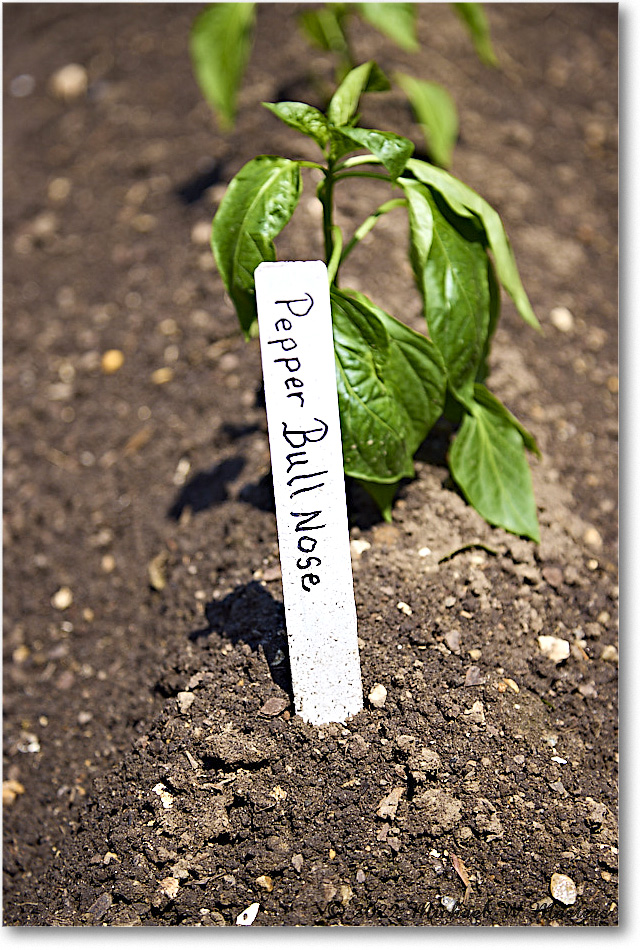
(490, 402)
(454, 283)
(464, 201)
(303, 118)
(324, 29)
(488, 463)
(345, 101)
(395, 20)
(474, 17)
(220, 43)
(437, 114)
(494, 313)
(392, 150)
(420, 220)
(418, 370)
(257, 205)
(391, 388)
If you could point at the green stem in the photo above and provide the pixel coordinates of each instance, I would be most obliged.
(369, 224)
(326, 197)
(359, 160)
(342, 175)
(335, 259)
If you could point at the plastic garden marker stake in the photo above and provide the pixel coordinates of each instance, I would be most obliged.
(295, 330)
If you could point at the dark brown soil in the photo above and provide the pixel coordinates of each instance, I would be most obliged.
(146, 782)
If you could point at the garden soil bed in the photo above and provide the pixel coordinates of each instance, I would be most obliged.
(155, 772)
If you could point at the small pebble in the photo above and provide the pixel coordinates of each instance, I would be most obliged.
(453, 640)
(70, 82)
(562, 319)
(274, 706)
(554, 648)
(476, 713)
(162, 375)
(62, 599)
(10, 791)
(404, 608)
(59, 189)
(449, 903)
(474, 677)
(593, 538)
(111, 361)
(166, 797)
(609, 654)
(184, 700)
(389, 803)
(156, 570)
(553, 576)
(248, 916)
(22, 85)
(358, 546)
(265, 882)
(202, 232)
(377, 696)
(563, 889)
(169, 886)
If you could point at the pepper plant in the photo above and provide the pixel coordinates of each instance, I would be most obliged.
(222, 36)
(393, 382)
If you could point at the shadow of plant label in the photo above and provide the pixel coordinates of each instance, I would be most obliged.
(295, 330)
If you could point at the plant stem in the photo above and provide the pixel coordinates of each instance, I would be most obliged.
(335, 259)
(326, 198)
(369, 224)
(359, 160)
(341, 175)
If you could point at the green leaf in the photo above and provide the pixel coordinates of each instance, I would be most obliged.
(490, 402)
(392, 150)
(257, 205)
(464, 201)
(220, 43)
(474, 17)
(421, 223)
(324, 29)
(391, 386)
(488, 463)
(303, 118)
(395, 20)
(454, 283)
(494, 313)
(418, 370)
(437, 114)
(345, 101)
(382, 495)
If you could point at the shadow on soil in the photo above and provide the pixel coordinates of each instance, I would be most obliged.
(249, 614)
(207, 489)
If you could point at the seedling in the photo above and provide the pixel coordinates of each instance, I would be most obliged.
(393, 382)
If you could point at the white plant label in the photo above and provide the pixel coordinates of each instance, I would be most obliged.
(297, 352)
